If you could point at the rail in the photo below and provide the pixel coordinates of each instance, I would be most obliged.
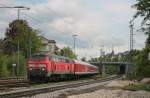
(13, 82)
(30, 92)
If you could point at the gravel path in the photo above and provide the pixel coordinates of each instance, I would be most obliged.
(113, 94)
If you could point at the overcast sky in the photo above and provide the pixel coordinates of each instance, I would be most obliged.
(96, 22)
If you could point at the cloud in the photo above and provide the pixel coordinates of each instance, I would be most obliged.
(96, 22)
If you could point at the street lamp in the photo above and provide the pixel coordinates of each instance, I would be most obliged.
(74, 43)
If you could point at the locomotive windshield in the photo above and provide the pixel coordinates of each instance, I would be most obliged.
(38, 57)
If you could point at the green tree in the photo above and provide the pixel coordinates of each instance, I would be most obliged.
(143, 10)
(19, 30)
(67, 52)
(83, 59)
(1, 46)
(6, 68)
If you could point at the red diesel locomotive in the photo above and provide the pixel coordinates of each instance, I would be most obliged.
(53, 67)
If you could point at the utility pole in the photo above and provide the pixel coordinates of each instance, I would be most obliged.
(74, 43)
(101, 61)
(19, 8)
(131, 40)
(131, 46)
(30, 45)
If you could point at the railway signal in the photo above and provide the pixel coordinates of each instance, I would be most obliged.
(14, 65)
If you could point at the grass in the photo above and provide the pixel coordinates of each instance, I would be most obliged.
(136, 87)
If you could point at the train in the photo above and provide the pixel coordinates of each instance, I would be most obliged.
(46, 67)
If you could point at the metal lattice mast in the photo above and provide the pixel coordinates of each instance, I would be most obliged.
(131, 40)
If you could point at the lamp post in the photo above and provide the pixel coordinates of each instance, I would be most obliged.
(74, 43)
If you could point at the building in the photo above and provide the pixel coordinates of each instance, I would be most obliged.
(48, 46)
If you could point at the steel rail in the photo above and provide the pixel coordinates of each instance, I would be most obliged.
(8, 83)
(30, 92)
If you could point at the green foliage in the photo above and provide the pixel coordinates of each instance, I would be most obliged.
(111, 69)
(3, 67)
(83, 59)
(142, 64)
(1, 46)
(136, 87)
(67, 52)
(19, 30)
(141, 60)
(143, 9)
(94, 60)
(6, 68)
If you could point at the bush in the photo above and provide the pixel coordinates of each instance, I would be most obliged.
(6, 68)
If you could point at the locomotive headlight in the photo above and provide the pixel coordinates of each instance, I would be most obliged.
(43, 69)
(30, 69)
(42, 65)
(31, 65)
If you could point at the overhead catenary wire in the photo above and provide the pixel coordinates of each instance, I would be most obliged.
(40, 21)
(52, 12)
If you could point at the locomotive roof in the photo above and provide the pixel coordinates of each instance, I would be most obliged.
(84, 63)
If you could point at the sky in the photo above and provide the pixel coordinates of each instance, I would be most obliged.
(96, 22)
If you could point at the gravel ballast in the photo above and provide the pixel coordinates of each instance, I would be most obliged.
(97, 90)
(113, 94)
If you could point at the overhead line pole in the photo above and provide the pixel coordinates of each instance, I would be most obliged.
(131, 45)
(101, 67)
(18, 46)
(131, 39)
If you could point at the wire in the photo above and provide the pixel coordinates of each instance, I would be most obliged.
(39, 22)
(2, 5)
(51, 10)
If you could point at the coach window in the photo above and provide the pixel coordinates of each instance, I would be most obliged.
(54, 58)
(57, 59)
(71, 61)
(62, 59)
(66, 60)
(50, 58)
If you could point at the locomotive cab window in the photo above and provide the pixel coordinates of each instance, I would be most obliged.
(38, 57)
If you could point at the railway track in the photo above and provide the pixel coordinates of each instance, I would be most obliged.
(33, 91)
(23, 82)
(13, 82)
